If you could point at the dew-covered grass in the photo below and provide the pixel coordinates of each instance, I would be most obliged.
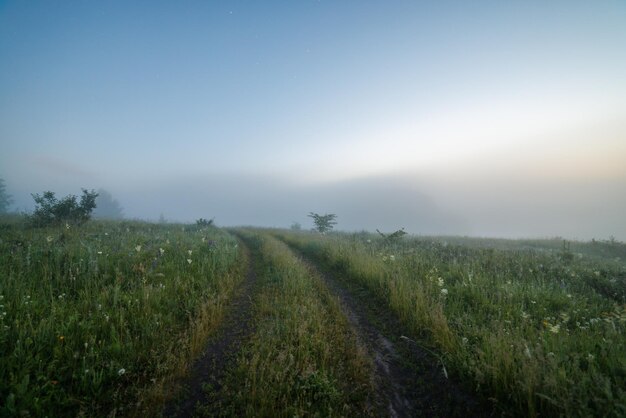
(540, 329)
(97, 319)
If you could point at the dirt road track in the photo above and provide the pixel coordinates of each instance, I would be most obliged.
(220, 353)
(410, 381)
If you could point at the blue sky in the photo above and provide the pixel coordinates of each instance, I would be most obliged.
(504, 116)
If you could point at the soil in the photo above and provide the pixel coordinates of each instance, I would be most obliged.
(209, 370)
(410, 380)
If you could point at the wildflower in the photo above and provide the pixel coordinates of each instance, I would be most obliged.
(138, 248)
(440, 281)
(189, 252)
(67, 226)
(369, 241)
(49, 238)
(120, 372)
(392, 257)
(106, 233)
(464, 340)
(61, 338)
(527, 351)
(189, 261)
(384, 258)
(161, 251)
(100, 252)
(590, 357)
(444, 292)
(555, 328)
(525, 315)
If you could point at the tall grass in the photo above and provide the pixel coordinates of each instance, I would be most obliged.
(94, 319)
(303, 359)
(542, 332)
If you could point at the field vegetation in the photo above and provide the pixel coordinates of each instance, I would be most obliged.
(107, 318)
(303, 359)
(97, 319)
(534, 326)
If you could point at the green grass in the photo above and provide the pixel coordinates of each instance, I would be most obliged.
(97, 319)
(303, 359)
(101, 319)
(542, 332)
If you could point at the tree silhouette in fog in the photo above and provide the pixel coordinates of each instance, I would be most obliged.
(5, 198)
(107, 207)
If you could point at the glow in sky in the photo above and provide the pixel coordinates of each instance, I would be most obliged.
(468, 105)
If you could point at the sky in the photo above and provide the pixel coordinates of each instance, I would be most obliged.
(482, 118)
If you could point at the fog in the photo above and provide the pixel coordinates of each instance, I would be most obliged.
(486, 207)
(453, 118)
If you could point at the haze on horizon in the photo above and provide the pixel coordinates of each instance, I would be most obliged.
(483, 118)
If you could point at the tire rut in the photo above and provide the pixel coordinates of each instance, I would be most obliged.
(409, 380)
(211, 367)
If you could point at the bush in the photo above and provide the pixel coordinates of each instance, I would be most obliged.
(50, 211)
(203, 223)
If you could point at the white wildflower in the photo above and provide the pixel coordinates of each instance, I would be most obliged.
(444, 292)
(527, 351)
(138, 248)
(189, 261)
(120, 372)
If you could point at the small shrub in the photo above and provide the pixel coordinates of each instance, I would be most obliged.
(394, 237)
(50, 211)
(202, 223)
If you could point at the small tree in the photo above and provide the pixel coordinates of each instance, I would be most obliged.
(50, 211)
(5, 198)
(107, 207)
(296, 226)
(323, 223)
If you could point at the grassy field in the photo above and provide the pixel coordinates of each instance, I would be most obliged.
(107, 319)
(97, 320)
(534, 326)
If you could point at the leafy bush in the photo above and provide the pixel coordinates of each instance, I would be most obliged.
(50, 211)
(204, 223)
